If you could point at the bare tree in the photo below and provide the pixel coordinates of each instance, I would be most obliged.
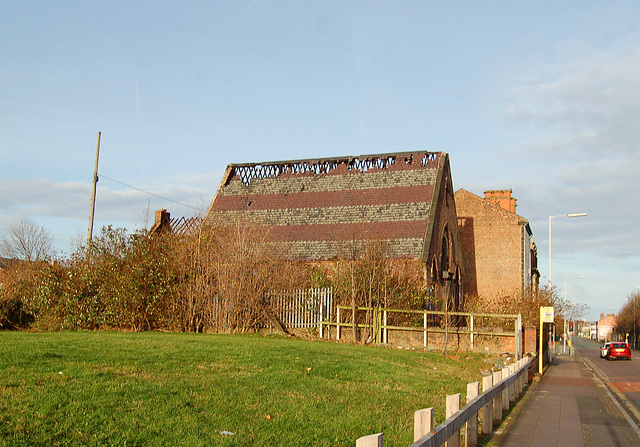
(26, 240)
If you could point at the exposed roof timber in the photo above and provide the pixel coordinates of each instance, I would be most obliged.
(185, 225)
(336, 159)
(249, 171)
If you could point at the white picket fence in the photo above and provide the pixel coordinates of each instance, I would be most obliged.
(303, 308)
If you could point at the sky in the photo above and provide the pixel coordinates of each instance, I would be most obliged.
(539, 97)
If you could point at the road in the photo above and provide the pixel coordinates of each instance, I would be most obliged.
(623, 375)
(610, 412)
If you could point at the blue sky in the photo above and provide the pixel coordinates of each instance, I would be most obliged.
(541, 97)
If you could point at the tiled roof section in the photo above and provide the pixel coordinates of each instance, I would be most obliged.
(314, 208)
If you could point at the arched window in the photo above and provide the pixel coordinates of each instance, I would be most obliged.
(447, 191)
(434, 270)
(445, 253)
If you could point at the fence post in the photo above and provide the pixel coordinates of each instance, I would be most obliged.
(424, 324)
(524, 377)
(512, 388)
(374, 324)
(385, 332)
(505, 391)
(370, 441)
(471, 431)
(525, 374)
(422, 423)
(520, 382)
(326, 304)
(379, 321)
(453, 405)
(487, 410)
(519, 337)
(471, 330)
(338, 324)
(497, 401)
(320, 322)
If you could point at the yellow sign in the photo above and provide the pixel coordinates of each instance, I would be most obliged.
(546, 314)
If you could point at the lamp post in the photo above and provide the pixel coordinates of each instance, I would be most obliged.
(569, 314)
(550, 270)
(635, 300)
(564, 319)
(553, 217)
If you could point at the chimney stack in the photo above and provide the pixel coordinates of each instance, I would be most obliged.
(502, 198)
(162, 221)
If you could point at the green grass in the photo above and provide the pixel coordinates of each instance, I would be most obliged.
(148, 389)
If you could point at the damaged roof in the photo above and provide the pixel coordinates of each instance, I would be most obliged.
(315, 209)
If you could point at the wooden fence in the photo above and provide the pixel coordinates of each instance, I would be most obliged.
(498, 392)
(437, 322)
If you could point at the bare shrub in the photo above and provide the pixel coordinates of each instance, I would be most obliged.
(26, 240)
(216, 278)
(226, 275)
(16, 284)
(528, 305)
(367, 276)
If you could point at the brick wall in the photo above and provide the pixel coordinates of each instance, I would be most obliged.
(492, 241)
(530, 340)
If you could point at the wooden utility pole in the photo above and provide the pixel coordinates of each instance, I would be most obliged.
(93, 196)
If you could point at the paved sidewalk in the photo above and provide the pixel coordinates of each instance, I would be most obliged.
(569, 406)
(548, 414)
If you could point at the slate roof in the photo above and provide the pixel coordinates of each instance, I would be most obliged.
(313, 209)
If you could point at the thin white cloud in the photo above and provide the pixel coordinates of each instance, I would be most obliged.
(586, 104)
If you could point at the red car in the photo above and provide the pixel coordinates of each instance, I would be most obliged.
(619, 350)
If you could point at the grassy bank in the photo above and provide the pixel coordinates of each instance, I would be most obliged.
(147, 389)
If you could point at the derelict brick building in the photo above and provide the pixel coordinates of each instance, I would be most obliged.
(316, 210)
(499, 249)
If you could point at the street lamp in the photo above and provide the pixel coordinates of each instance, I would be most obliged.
(635, 299)
(568, 312)
(553, 217)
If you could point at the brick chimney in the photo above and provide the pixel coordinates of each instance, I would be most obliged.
(502, 198)
(162, 221)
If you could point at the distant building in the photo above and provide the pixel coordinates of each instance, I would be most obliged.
(606, 324)
(179, 226)
(498, 247)
(318, 210)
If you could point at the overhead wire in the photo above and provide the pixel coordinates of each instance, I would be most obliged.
(147, 192)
